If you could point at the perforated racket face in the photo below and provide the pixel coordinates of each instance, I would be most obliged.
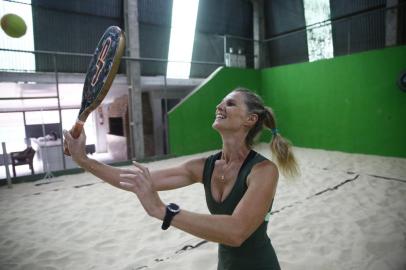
(101, 70)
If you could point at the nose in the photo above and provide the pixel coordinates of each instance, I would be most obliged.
(220, 106)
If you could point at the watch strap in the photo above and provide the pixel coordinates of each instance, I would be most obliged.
(171, 211)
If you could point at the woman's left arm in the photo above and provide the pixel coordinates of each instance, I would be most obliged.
(230, 230)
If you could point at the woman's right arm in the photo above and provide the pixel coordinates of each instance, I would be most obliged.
(182, 175)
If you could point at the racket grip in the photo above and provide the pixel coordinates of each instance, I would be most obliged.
(77, 129)
(75, 132)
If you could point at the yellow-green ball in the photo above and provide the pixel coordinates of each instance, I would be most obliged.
(13, 25)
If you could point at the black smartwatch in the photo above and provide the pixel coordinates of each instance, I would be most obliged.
(171, 211)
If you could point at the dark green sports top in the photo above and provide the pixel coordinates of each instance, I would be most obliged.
(256, 253)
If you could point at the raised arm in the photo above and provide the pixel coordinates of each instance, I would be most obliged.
(178, 176)
(231, 230)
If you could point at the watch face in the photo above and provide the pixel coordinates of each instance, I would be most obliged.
(173, 208)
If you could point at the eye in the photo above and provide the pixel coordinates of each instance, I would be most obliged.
(230, 103)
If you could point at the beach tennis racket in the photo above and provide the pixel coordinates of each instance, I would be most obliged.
(100, 75)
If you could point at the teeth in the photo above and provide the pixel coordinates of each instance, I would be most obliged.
(219, 116)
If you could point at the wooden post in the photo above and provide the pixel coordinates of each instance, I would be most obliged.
(134, 79)
(5, 157)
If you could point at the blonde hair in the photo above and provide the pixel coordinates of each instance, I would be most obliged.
(281, 147)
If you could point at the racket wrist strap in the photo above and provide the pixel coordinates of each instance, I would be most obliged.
(79, 122)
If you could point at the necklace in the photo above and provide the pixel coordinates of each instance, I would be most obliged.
(224, 167)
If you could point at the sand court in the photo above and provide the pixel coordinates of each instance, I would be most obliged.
(176, 79)
(346, 211)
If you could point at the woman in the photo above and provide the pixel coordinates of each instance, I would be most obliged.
(240, 184)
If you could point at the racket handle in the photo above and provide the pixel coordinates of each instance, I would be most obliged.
(75, 132)
(77, 129)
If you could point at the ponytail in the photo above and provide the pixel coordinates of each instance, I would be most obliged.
(281, 147)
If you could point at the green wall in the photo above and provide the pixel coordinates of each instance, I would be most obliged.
(349, 103)
(190, 121)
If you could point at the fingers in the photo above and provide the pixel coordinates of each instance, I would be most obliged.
(131, 179)
(139, 183)
(144, 169)
(127, 182)
(74, 147)
(126, 185)
(67, 139)
(128, 177)
(67, 135)
(130, 171)
(136, 180)
(82, 136)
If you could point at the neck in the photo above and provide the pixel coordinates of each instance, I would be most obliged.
(234, 149)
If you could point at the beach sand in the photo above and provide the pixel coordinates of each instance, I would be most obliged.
(345, 211)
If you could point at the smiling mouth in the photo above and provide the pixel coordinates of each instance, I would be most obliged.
(220, 116)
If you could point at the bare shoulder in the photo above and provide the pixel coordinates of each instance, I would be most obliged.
(195, 167)
(265, 172)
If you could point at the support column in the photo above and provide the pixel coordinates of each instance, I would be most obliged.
(134, 79)
(391, 24)
(259, 33)
(156, 105)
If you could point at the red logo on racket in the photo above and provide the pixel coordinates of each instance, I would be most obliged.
(100, 60)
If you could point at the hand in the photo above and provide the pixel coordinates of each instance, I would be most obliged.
(76, 147)
(139, 182)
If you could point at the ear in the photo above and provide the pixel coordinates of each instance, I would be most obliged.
(252, 119)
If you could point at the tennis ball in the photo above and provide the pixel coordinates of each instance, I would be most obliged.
(13, 25)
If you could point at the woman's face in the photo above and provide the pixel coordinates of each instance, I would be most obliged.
(231, 113)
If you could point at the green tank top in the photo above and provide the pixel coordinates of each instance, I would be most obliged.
(256, 253)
